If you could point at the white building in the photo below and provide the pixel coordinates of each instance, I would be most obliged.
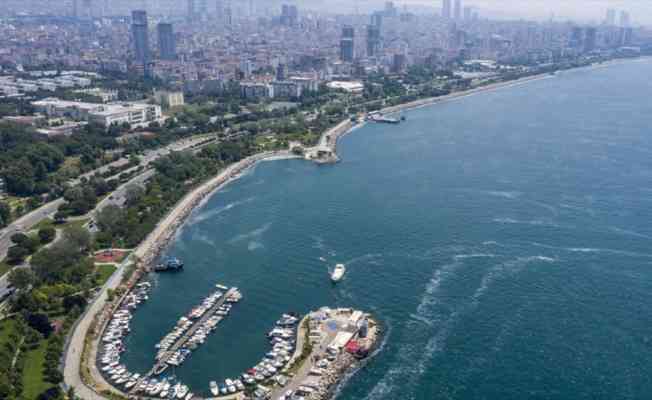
(137, 115)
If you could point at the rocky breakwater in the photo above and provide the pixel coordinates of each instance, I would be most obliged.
(338, 343)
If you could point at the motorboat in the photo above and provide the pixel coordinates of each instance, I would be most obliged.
(214, 389)
(338, 273)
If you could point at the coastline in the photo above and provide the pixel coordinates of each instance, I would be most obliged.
(166, 229)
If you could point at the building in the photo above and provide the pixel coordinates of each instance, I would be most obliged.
(140, 32)
(355, 87)
(377, 20)
(170, 99)
(610, 20)
(590, 39)
(255, 90)
(468, 13)
(373, 41)
(446, 9)
(624, 19)
(347, 52)
(191, 11)
(166, 42)
(576, 38)
(289, 15)
(137, 115)
(458, 10)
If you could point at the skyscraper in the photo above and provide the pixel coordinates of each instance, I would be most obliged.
(373, 40)
(377, 19)
(347, 44)
(590, 38)
(75, 8)
(458, 10)
(611, 17)
(446, 9)
(219, 11)
(624, 19)
(191, 10)
(289, 15)
(166, 42)
(140, 34)
(468, 13)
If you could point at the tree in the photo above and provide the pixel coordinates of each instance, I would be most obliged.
(5, 214)
(40, 322)
(19, 238)
(47, 235)
(17, 254)
(78, 236)
(60, 217)
(21, 278)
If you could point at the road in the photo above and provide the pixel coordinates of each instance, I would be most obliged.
(75, 345)
(30, 220)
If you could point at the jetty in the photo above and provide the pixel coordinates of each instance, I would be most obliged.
(162, 363)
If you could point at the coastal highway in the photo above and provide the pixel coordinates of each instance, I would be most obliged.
(75, 345)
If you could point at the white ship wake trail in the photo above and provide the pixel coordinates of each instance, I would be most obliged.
(210, 214)
(414, 358)
(251, 235)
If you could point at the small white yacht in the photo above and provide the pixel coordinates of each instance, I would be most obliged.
(338, 273)
(214, 389)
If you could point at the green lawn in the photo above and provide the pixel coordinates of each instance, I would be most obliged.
(7, 326)
(48, 222)
(105, 271)
(33, 379)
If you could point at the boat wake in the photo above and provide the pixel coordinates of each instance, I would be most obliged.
(414, 358)
(213, 213)
(256, 233)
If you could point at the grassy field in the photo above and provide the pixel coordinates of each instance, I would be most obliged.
(33, 380)
(49, 222)
(105, 271)
(7, 326)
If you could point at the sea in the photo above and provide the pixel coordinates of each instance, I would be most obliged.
(503, 240)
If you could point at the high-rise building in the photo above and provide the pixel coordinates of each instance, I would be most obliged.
(347, 44)
(590, 39)
(446, 9)
(347, 52)
(75, 8)
(289, 15)
(458, 10)
(390, 9)
(377, 20)
(219, 11)
(611, 17)
(624, 19)
(191, 10)
(373, 40)
(139, 29)
(576, 37)
(166, 42)
(468, 13)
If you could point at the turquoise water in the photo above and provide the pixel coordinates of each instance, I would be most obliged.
(504, 240)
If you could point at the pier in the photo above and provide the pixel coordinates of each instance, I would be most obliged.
(162, 364)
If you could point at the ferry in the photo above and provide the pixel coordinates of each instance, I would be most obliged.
(170, 264)
(338, 273)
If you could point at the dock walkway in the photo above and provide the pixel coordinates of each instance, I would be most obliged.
(161, 364)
